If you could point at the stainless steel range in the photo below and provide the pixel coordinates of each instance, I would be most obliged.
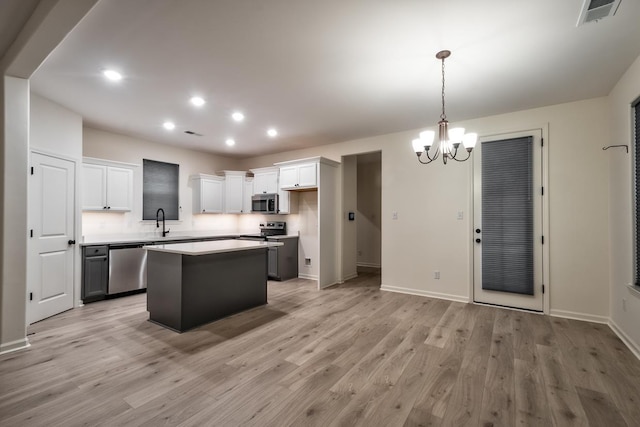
(282, 260)
(274, 228)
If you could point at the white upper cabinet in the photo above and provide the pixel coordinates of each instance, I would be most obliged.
(284, 205)
(234, 191)
(265, 180)
(119, 189)
(208, 191)
(107, 188)
(288, 176)
(299, 176)
(246, 195)
(94, 187)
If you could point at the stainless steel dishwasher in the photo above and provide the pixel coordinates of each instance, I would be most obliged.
(127, 268)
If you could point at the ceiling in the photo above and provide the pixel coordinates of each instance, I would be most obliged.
(327, 71)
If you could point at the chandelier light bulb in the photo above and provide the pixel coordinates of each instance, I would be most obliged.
(427, 137)
(417, 145)
(469, 140)
(455, 135)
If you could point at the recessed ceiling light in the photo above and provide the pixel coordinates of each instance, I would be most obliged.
(230, 142)
(169, 125)
(272, 132)
(237, 116)
(112, 75)
(197, 101)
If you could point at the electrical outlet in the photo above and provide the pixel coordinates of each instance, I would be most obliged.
(359, 253)
(436, 275)
(394, 215)
(460, 215)
(307, 262)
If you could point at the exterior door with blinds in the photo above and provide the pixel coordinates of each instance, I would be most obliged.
(508, 221)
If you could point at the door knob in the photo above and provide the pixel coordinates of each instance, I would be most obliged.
(71, 242)
(478, 240)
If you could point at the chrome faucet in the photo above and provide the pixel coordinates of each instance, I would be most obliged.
(164, 233)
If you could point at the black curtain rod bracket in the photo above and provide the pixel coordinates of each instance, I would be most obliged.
(626, 147)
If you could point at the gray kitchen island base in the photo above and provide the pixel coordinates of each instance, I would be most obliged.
(186, 291)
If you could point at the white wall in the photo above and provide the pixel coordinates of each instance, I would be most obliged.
(349, 228)
(369, 207)
(14, 144)
(428, 237)
(625, 303)
(47, 26)
(112, 146)
(55, 129)
(308, 229)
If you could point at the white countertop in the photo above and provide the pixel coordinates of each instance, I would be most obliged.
(289, 236)
(213, 247)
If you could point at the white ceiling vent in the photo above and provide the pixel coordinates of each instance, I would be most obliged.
(594, 10)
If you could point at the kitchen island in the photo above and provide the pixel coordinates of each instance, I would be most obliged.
(190, 284)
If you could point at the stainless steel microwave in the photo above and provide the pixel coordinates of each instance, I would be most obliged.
(265, 203)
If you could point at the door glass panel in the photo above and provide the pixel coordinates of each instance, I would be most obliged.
(507, 215)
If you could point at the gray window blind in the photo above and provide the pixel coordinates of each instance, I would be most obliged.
(636, 177)
(160, 184)
(507, 215)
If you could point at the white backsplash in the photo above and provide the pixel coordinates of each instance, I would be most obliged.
(99, 223)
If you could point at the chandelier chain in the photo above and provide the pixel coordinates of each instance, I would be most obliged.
(443, 116)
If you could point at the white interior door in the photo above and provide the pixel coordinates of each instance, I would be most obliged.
(51, 253)
(508, 221)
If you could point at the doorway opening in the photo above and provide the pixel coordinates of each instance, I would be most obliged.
(362, 204)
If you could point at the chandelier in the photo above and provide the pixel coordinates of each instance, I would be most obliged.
(449, 140)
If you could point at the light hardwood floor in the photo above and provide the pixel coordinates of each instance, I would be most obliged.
(351, 355)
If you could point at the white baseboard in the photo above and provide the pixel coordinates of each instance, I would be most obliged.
(307, 276)
(579, 316)
(14, 346)
(329, 285)
(625, 339)
(349, 277)
(368, 264)
(411, 291)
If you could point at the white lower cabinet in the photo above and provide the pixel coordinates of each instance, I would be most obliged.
(107, 188)
(208, 191)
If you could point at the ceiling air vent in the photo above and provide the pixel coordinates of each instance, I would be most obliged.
(594, 10)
